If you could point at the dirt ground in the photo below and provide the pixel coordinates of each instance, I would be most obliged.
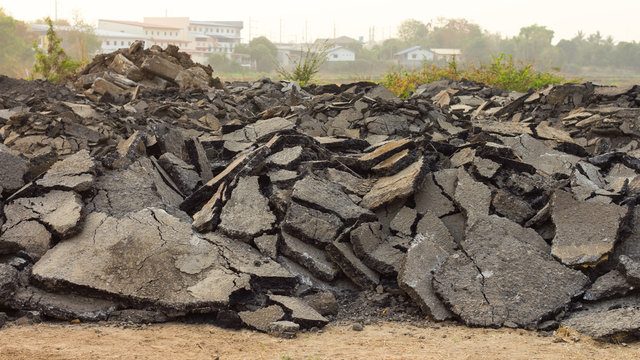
(383, 341)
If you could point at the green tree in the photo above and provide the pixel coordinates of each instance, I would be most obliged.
(16, 55)
(54, 64)
(413, 31)
(263, 52)
(534, 43)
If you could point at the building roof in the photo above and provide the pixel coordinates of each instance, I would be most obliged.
(338, 48)
(119, 34)
(142, 24)
(447, 51)
(237, 24)
(413, 48)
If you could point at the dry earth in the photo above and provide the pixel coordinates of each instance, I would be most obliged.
(384, 341)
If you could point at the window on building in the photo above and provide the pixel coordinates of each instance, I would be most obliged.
(122, 43)
(165, 33)
(107, 42)
(335, 56)
(217, 30)
(414, 56)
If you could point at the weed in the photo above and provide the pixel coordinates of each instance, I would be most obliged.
(307, 65)
(501, 72)
(54, 64)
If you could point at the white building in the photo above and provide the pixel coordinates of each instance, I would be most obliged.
(153, 34)
(414, 56)
(340, 53)
(447, 54)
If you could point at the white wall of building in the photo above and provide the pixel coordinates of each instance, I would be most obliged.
(341, 54)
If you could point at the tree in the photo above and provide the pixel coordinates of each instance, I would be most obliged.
(263, 52)
(16, 55)
(534, 43)
(54, 64)
(413, 31)
(80, 40)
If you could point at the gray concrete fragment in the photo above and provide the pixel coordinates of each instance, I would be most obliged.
(585, 232)
(429, 197)
(512, 207)
(455, 223)
(356, 270)
(175, 268)
(268, 245)
(324, 303)
(415, 277)
(259, 129)
(161, 67)
(287, 158)
(391, 188)
(311, 225)
(349, 182)
(309, 256)
(283, 329)
(505, 277)
(76, 172)
(299, 311)
(387, 124)
(613, 324)
(12, 169)
(261, 318)
(247, 213)
(329, 197)
(371, 246)
(182, 174)
(608, 285)
(473, 197)
(8, 282)
(535, 153)
(403, 221)
(630, 268)
(28, 236)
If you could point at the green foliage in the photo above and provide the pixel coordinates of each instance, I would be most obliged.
(16, 55)
(307, 65)
(501, 72)
(413, 31)
(54, 64)
(222, 64)
(262, 51)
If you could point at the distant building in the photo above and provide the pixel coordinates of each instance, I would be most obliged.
(447, 54)
(153, 34)
(340, 53)
(414, 56)
(417, 55)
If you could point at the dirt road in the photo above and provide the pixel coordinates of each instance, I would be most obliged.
(385, 341)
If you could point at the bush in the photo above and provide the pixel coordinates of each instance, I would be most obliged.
(307, 66)
(54, 64)
(222, 64)
(501, 72)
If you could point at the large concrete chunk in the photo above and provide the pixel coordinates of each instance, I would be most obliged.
(398, 186)
(299, 311)
(182, 174)
(358, 272)
(610, 284)
(309, 256)
(12, 169)
(585, 231)
(75, 172)
(473, 197)
(60, 211)
(259, 129)
(429, 197)
(246, 214)
(535, 153)
(349, 182)
(311, 225)
(174, 268)
(370, 245)
(28, 236)
(415, 277)
(387, 124)
(261, 318)
(328, 196)
(505, 277)
(606, 324)
(161, 67)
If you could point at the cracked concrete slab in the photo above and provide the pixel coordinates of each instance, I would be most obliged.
(75, 172)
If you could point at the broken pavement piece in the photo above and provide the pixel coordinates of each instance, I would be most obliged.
(503, 267)
(261, 318)
(75, 172)
(535, 153)
(630, 268)
(403, 221)
(28, 236)
(415, 277)
(12, 169)
(398, 186)
(585, 231)
(309, 256)
(182, 174)
(473, 197)
(299, 311)
(613, 324)
(356, 270)
(611, 284)
(246, 214)
(429, 197)
(311, 225)
(329, 197)
(371, 246)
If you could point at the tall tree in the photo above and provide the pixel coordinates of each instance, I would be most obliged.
(16, 56)
(263, 52)
(413, 31)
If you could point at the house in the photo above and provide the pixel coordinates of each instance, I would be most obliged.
(110, 40)
(340, 53)
(153, 34)
(447, 54)
(414, 56)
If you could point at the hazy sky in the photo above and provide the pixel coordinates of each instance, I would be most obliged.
(618, 18)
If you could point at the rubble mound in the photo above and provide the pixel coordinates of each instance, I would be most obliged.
(279, 207)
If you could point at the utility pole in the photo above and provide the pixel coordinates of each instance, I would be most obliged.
(334, 30)
(249, 28)
(56, 17)
(281, 30)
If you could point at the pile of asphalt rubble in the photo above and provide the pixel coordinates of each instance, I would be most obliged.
(146, 191)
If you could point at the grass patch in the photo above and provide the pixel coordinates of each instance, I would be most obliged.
(501, 72)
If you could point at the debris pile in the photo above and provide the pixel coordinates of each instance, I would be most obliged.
(265, 204)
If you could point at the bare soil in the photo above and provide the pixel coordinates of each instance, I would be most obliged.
(337, 341)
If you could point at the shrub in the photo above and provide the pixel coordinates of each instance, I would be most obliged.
(501, 72)
(54, 64)
(306, 66)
